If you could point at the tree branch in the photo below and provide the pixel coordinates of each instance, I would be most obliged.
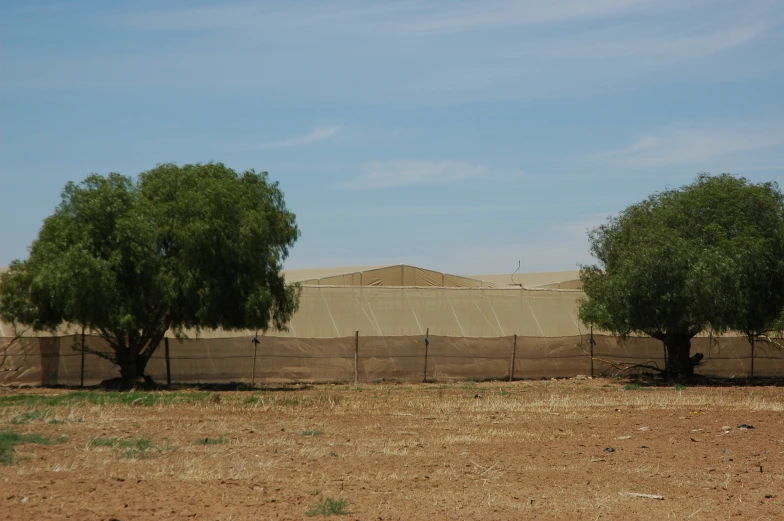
(156, 338)
(16, 339)
(623, 366)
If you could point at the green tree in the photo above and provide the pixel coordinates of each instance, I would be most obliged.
(197, 246)
(707, 255)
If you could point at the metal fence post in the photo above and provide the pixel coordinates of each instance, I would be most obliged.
(356, 358)
(427, 345)
(591, 341)
(514, 354)
(256, 343)
(81, 378)
(168, 360)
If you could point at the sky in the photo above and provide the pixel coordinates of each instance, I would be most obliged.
(458, 136)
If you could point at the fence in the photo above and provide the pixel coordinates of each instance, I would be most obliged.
(60, 360)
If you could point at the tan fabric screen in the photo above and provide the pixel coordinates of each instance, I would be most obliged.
(330, 312)
(54, 361)
(337, 311)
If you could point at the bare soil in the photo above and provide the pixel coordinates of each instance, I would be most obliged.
(523, 450)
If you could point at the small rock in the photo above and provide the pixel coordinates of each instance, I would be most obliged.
(745, 426)
(645, 428)
(643, 446)
(726, 428)
(624, 437)
(609, 449)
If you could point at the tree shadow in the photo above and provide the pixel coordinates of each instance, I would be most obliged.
(652, 380)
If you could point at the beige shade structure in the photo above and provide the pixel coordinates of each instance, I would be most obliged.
(308, 274)
(412, 276)
(370, 324)
(398, 275)
(404, 300)
(546, 279)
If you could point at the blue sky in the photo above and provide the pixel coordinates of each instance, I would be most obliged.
(459, 136)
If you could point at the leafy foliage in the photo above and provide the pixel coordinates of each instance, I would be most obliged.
(708, 255)
(197, 246)
(329, 507)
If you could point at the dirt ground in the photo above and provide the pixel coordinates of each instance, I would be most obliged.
(523, 450)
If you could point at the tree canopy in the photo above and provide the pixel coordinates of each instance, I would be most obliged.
(707, 255)
(193, 246)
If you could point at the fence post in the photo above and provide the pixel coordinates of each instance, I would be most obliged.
(255, 348)
(356, 359)
(751, 339)
(514, 354)
(427, 344)
(591, 341)
(168, 360)
(81, 379)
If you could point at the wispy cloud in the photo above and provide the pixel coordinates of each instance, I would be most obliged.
(313, 137)
(696, 143)
(458, 50)
(433, 17)
(393, 174)
(655, 49)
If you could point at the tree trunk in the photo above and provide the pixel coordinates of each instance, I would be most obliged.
(133, 365)
(678, 361)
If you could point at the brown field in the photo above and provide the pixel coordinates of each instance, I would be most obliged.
(523, 450)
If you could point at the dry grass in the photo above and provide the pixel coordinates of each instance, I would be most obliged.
(491, 450)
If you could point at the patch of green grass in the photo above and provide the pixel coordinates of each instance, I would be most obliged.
(139, 448)
(30, 416)
(311, 432)
(10, 439)
(55, 421)
(680, 387)
(329, 507)
(142, 398)
(251, 400)
(313, 400)
(102, 442)
(212, 441)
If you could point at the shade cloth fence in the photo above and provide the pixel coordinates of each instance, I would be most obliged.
(60, 360)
